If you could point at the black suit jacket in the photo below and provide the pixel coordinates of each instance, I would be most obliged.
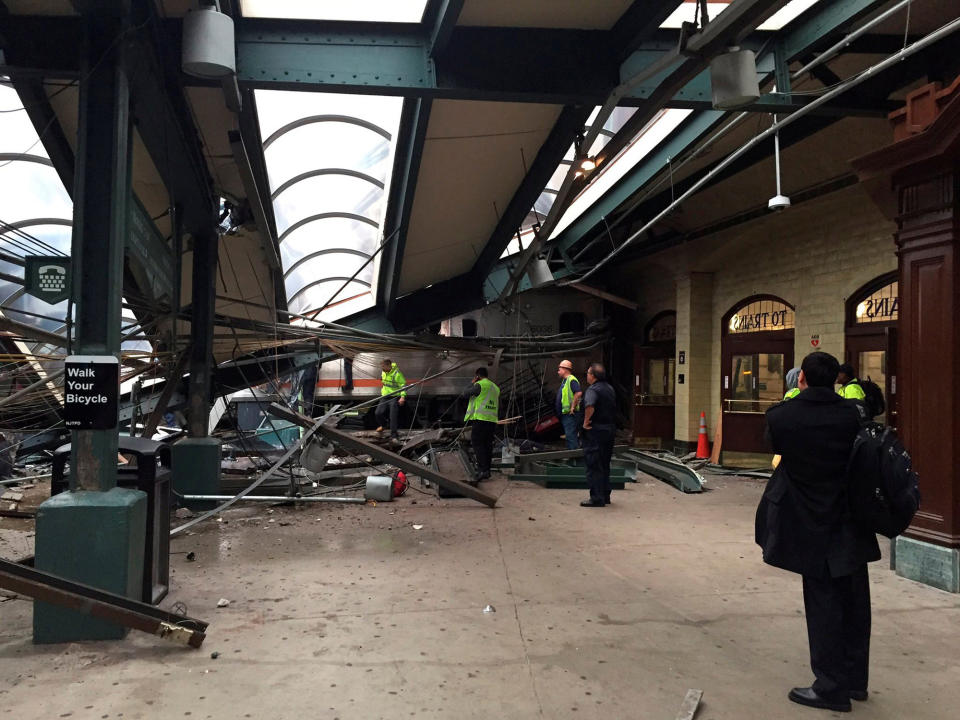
(803, 521)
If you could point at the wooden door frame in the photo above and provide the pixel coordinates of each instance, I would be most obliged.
(749, 343)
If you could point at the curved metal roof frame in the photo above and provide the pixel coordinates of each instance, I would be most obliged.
(300, 292)
(32, 222)
(328, 251)
(311, 119)
(327, 216)
(25, 157)
(325, 171)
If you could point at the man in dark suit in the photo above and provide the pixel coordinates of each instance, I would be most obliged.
(804, 525)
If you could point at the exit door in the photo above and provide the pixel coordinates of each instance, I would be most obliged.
(874, 357)
(754, 379)
(653, 399)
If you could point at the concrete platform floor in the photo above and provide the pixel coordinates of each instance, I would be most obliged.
(350, 612)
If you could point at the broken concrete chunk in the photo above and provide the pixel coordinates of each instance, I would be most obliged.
(222, 602)
(183, 513)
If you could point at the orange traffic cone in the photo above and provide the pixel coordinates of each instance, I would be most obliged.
(703, 447)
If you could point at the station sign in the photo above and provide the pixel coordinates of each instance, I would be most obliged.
(90, 392)
(47, 277)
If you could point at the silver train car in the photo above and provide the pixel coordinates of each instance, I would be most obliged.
(542, 313)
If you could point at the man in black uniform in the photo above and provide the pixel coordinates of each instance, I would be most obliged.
(804, 526)
(599, 425)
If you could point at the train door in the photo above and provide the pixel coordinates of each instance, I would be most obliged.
(871, 337)
(654, 372)
(756, 353)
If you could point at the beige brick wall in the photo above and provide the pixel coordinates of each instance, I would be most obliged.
(814, 256)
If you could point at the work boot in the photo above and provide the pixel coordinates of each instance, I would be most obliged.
(380, 429)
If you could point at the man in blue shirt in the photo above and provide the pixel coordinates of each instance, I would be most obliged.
(567, 405)
(599, 428)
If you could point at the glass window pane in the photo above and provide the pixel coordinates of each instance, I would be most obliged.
(31, 191)
(324, 194)
(405, 11)
(328, 234)
(328, 144)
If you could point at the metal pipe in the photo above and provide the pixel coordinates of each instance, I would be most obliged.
(280, 498)
(29, 388)
(920, 44)
(834, 49)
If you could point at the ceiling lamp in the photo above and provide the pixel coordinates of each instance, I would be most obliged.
(588, 164)
(733, 79)
(778, 201)
(208, 50)
(539, 272)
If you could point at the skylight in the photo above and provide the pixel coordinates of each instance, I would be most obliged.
(401, 11)
(329, 158)
(685, 13)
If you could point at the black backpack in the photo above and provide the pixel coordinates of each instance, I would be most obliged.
(873, 400)
(882, 487)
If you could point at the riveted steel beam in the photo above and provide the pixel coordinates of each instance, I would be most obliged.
(411, 137)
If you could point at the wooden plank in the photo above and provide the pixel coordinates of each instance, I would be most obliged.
(411, 467)
(717, 440)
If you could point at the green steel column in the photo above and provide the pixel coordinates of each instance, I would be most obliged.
(196, 458)
(101, 202)
(95, 532)
(205, 247)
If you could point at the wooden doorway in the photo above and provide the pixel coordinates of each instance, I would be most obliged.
(756, 353)
(654, 366)
(872, 315)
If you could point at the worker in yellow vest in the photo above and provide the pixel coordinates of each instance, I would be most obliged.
(392, 396)
(483, 411)
(793, 378)
(849, 385)
(567, 404)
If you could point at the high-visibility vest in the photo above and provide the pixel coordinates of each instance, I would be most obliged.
(792, 393)
(566, 395)
(392, 380)
(486, 405)
(852, 390)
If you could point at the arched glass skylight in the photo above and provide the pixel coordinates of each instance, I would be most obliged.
(328, 159)
(36, 216)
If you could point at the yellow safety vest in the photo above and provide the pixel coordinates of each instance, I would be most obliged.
(392, 380)
(486, 405)
(852, 390)
(566, 397)
(792, 393)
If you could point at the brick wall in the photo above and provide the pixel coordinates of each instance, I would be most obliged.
(813, 256)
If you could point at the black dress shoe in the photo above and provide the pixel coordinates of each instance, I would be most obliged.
(809, 697)
(591, 503)
(859, 695)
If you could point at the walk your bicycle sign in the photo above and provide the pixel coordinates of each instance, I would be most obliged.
(90, 392)
(47, 277)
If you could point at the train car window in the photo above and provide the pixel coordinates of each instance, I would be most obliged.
(573, 322)
(468, 327)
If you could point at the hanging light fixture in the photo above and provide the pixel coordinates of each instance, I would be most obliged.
(733, 79)
(778, 201)
(208, 50)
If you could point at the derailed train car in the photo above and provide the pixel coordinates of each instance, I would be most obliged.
(521, 348)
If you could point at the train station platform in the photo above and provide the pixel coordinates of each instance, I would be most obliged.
(378, 612)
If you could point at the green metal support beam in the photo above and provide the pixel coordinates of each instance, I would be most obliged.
(411, 136)
(824, 23)
(509, 64)
(684, 137)
(816, 28)
(441, 17)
